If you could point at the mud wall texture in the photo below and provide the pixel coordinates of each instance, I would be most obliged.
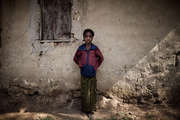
(155, 78)
(125, 31)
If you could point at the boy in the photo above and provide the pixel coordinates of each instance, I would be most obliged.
(88, 57)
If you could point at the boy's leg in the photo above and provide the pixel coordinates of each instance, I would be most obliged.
(85, 94)
(93, 93)
(88, 94)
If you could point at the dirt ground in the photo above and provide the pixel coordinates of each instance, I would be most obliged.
(124, 111)
(37, 108)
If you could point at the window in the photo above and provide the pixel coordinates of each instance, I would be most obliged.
(55, 25)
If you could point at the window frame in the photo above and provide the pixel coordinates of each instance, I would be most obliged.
(67, 38)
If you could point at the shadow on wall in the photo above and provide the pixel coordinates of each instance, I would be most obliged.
(155, 79)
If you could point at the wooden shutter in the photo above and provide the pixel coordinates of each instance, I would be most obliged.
(55, 19)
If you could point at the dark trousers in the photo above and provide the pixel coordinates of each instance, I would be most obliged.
(88, 94)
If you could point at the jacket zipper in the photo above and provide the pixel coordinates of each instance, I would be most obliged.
(87, 57)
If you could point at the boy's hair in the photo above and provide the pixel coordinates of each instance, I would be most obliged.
(88, 30)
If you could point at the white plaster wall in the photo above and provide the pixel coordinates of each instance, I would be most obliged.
(125, 31)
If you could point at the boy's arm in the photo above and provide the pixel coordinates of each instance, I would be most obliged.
(76, 57)
(100, 56)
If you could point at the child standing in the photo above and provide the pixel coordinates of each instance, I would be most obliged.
(88, 57)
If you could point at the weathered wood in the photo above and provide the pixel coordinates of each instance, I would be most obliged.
(55, 19)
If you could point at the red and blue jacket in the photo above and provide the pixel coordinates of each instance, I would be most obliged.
(88, 60)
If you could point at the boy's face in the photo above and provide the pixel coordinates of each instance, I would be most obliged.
(88, 38)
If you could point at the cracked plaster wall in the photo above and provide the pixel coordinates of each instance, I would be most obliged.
(156, 77)
(125, 31)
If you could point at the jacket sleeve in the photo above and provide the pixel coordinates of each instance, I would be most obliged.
(99, 56)
(76, 57)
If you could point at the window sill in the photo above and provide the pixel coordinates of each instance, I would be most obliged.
(56, 41)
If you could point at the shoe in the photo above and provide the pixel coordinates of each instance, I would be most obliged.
(91, 116)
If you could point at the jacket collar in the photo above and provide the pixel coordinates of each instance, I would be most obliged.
(83, 47)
